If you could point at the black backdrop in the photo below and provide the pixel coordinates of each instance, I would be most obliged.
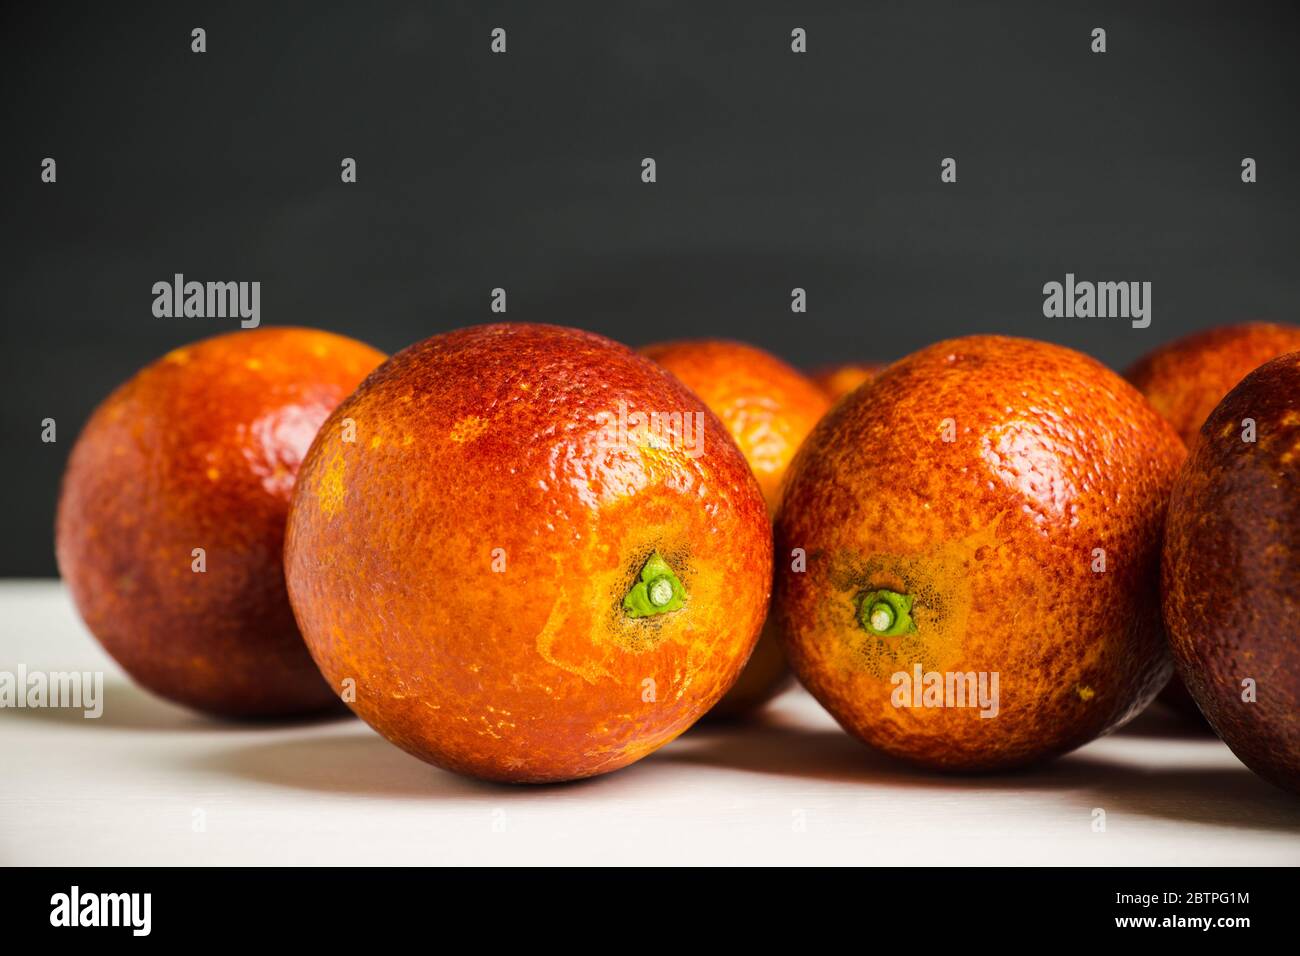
(522, 171)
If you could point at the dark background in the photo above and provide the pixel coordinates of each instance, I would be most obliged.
(523, 171)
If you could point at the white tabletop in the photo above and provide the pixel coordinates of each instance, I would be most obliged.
(148, 783)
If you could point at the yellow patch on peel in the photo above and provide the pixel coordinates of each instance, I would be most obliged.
(331, 487)
(1085, 693)
(253, 365)
(177, 356)
(695, 631)
(590, 672)
(376, 442)
(657, 458)
(1291, 453)
(939, 580)
(213, 474)
(468, 428)
(591, 645)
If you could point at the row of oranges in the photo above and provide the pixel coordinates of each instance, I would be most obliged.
(960, 556)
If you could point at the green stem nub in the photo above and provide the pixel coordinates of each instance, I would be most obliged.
(886, 613)
(657, 592)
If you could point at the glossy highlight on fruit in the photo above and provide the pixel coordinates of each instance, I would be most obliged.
(1231, 571)
(542, 558)
(768, 407)
(982, 529)
(171, 519)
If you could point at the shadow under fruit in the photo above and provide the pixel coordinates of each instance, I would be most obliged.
(171, 519)
(1231, 571)
(523, 578)
(988, 507)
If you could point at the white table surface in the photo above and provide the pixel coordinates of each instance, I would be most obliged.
(130, 787)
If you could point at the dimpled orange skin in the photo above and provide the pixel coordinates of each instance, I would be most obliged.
(1185, 379)
(993, 534)
(199, 450)
(768, 407)
(465, 561)
(1231, 571)
(836, 381)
